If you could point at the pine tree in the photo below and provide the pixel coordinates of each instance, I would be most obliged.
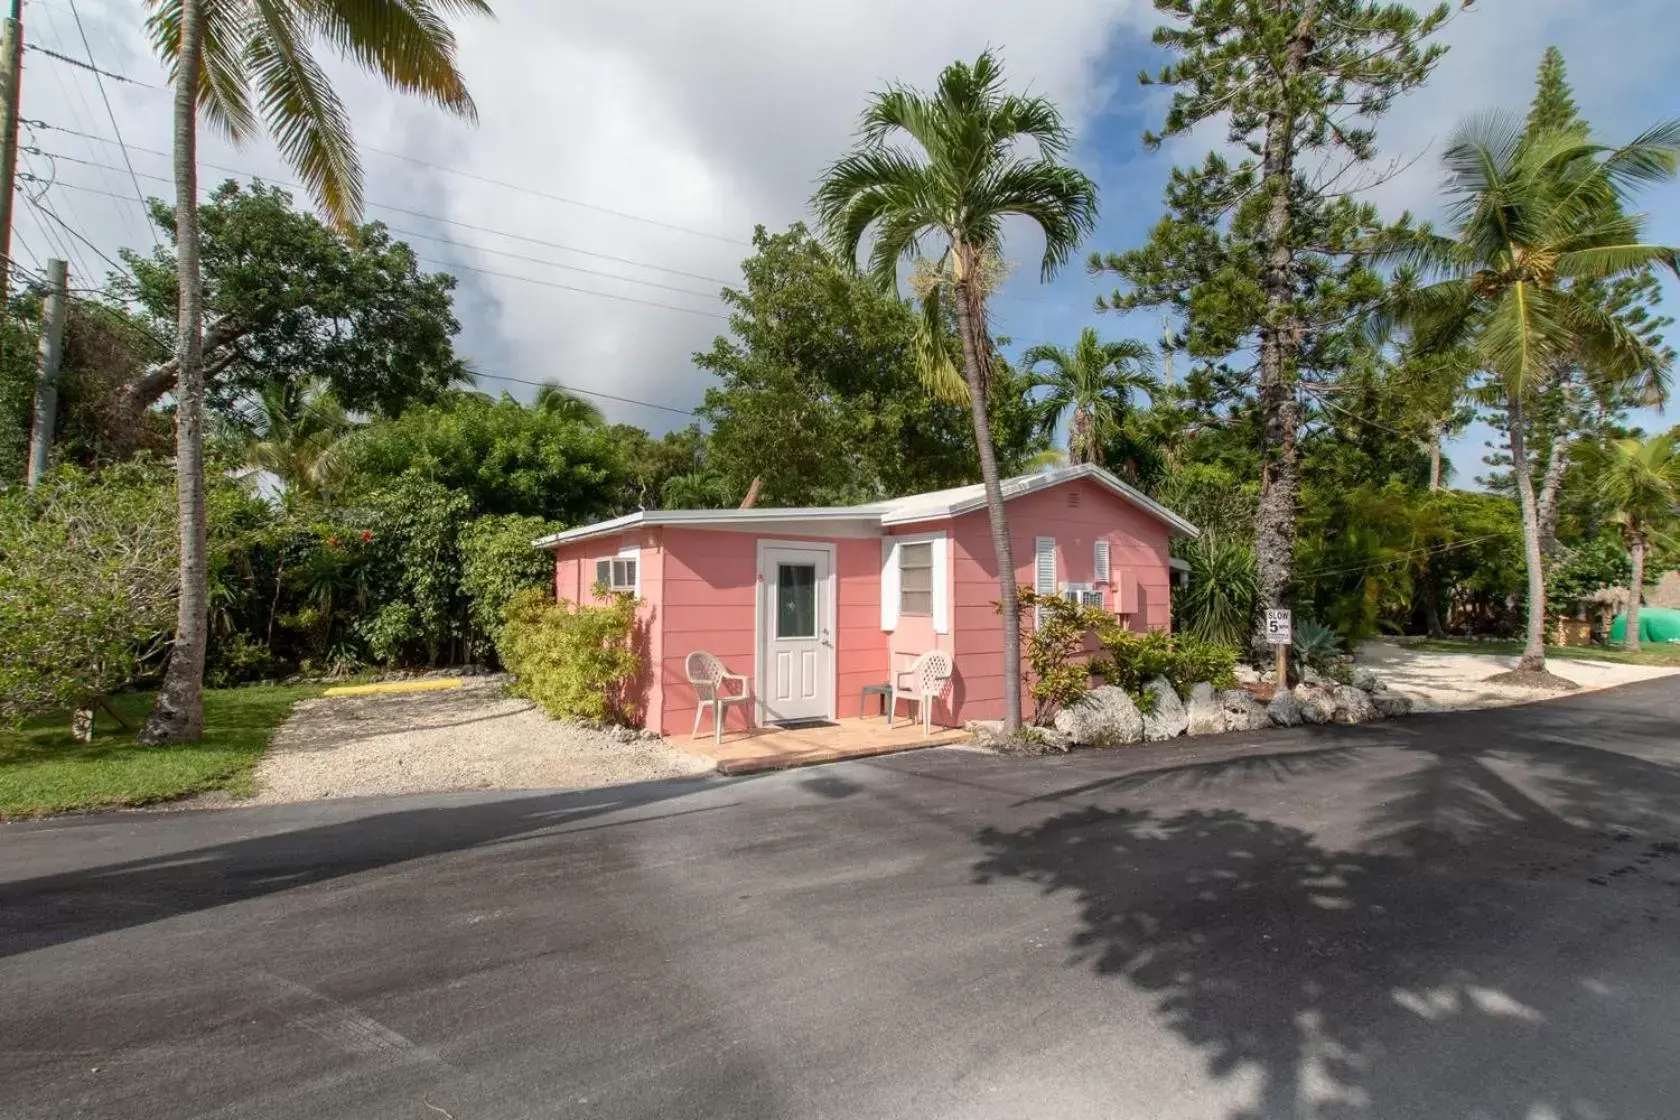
(1264, 252)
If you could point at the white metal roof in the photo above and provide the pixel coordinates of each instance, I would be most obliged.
(934, 506)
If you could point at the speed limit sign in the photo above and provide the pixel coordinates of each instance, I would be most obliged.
(1279, 629)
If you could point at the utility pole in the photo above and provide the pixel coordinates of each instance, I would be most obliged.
(11, 81)
(46, 382)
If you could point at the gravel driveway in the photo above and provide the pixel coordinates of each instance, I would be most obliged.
(1457, 681)
(474, 737)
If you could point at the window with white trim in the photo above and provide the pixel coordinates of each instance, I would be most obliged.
(915, 578)
(621, 572)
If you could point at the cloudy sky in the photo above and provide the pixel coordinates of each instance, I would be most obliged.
(626, 149)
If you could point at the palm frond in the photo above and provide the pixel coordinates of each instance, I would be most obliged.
(1061, 200)
(307, 120)
(406, 42)
(223, 81)
(936, 367)
(1603, 262)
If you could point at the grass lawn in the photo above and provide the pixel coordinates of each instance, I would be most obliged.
(43, 770)
(1647, 655)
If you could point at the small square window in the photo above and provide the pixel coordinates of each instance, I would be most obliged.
(915, 578)
(618, 573)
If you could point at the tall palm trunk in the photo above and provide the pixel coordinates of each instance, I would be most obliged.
(1534, 649)
(1636, 586)
(1551, 485)
(1082, 438)
(970, 321)
(1434, 456)
(1274, 528)
(178, 712)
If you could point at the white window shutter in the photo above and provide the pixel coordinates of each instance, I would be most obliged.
(1099, 562)
(1044, 566)
(941, 587)
(889, 584)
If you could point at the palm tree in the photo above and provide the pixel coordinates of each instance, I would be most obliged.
(218, 55)
(1640, 481)
(556, 401)
(946, 168)
(298, 435)
(1090, 388)
(1537, 218)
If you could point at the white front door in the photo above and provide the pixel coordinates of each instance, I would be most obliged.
(796, 664)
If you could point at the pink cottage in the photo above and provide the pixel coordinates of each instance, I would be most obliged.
(814, 605)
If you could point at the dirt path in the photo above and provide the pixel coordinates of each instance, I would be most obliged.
(475, 737)
(1451, 681)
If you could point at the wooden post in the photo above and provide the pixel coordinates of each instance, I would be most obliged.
(1282, 667)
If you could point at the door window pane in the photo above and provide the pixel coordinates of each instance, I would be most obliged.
(796, 601)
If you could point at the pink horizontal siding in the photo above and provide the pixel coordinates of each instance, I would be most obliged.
(1137, 544)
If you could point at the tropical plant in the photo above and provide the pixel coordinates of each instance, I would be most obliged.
(86, 587)
(298, 435)
(553, 400)
(216, 53)
(1640, 481)
(1056, 674)
(1537, 217)
(1223, 595)
(1314, 645)
(1131, 660)
(497, 562)
(1263, 252)
(1090, 389)
(576, 662)
(958, 177)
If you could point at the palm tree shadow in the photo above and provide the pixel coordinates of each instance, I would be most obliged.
(1389, 983)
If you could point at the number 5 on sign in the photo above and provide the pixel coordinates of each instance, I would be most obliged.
(1279, 629)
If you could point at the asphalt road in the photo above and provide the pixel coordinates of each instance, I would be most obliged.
(1473, 916)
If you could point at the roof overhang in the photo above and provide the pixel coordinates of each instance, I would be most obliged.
(813, 516)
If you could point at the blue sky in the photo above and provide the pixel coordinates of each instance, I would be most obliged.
(1132, 177)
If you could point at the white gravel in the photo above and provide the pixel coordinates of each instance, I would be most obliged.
(1439, 682)
(475, 737)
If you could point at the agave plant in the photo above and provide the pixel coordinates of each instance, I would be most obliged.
(1316, 646)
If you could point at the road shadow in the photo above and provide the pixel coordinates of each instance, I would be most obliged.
(1497, 943)
(88, 901)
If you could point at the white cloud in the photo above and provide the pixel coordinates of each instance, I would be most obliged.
(711, 116)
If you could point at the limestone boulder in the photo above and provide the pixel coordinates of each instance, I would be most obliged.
(1392, 704)
(1284, 710)
(1168, 718)
(1318, 704)
(1103, 717)
(1243, 711)
(1203, 714)
(1353, 705)
(1365, 679)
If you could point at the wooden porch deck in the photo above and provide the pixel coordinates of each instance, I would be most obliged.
(776, 748)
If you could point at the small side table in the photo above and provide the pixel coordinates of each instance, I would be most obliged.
(884, 691)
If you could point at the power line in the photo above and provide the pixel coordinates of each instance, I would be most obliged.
(384, 206)
(79, 64)
(116, 129)
(43, 208)
(559, 198)
(583, 392)
(573, 288)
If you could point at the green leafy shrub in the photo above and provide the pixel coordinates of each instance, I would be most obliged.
(497, 561)
(1222, 600)
(1315, 645)
(87, 584)
(576, 662)
(1133, 659)
(1587, 567)
(1054, 677)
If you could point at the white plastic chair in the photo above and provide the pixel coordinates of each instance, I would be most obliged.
(921, 683)
(707, 674)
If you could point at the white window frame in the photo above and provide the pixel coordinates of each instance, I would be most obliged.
(629, 552)
(890, 583)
